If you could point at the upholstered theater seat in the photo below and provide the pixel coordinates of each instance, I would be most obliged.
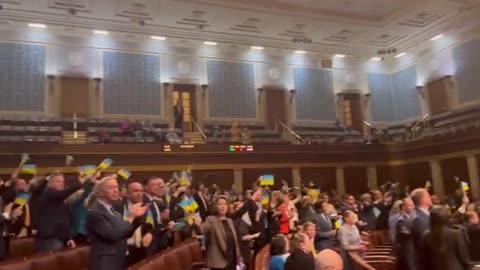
(21, 248)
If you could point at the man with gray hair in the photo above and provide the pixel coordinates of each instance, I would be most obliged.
(108, 229)
(421, 222)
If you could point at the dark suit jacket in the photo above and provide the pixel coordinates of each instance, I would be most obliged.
(108, 235)
(54, 216)
(159, 232)
(420, 224)
(3, 244)
(178, 113)
(202, 207)
(324, 238)
(449, 254)
(299, 260)
(251, 208)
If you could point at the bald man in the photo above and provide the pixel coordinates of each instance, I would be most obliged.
(108, 229)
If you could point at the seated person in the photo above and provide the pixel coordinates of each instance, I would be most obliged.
(246, 137)
(173, 137)
(125, 127)
(235, 133)
(217, 132)
(278, 252)
(301, 256)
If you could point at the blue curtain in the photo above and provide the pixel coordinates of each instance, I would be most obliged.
(394, 96)
(131, 84)
(22, 77)
(467, 63)
(231, 89)
(314, 95)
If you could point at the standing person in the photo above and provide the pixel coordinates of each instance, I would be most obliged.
(5, 217)
(178, 114)
(301, 256)
(54, 222)
(142, 236)
(235, 133)
(223, 251)
(403, 240)
(352, 246)
(443, 248)
(109, 230)
(199, 197)
(325, 231)
(421, 222)
(278, 252)
(283, 216)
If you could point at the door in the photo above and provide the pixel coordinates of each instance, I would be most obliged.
(353, 111)
(275, 103)
(185, 93)
(438, 96)
(75, 97)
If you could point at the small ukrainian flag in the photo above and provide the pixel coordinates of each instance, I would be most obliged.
(106, 163)
(29, 169)
(338, 223)
(22, 198)
(265, 199)
(267, 180)
(124, 173)
(87, 169)
(465, 186)
(185, 179)
(150, 218)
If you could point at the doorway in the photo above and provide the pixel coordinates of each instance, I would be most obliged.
(74, 97)
(185, 93)
(275, 107)
(353, 111)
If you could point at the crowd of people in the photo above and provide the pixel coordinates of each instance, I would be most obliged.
(125, 221)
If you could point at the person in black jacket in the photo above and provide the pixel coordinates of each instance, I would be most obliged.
(54, 226)
(301, 256)
(199, 197)
(108, 230)
(5, 217)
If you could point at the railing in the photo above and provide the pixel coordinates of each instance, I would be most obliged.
(424, 122)
(291, 131)
(197, 126)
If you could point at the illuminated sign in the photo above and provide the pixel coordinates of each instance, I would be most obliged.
(241, 148)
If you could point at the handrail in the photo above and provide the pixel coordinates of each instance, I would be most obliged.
(423, 120)
(198, 128)
(290, 130)
(371, 126)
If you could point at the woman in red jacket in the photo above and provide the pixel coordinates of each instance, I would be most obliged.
(281, 211)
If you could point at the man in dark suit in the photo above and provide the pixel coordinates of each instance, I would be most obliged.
(421, 221)
(325, 231)
(403, 240)
(178, 114)
(142, 237)
(108, 230)
(5, 217)
(199, 197)
(155, 190)
(54, 224)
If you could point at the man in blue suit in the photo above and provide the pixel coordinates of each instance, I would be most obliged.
(421, 221)
(108, 229)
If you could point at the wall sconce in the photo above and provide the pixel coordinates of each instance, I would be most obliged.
(166, 85)
(420, 91)
(97, 79)
(292, 92)
(51, 76)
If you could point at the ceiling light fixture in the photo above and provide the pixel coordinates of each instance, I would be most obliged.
(400, 54)
(157, 38)
(300, 52)
(211, 43)
(100, 32)
(258, 48)
(339, 56)
(37, 25)
(376, 59)
(436, 37)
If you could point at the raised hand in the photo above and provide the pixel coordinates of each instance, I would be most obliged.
(137, 210)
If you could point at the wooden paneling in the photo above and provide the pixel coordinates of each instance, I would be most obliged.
(450, 168)
(438, 95)
(250, 176)
(356, 181)
(74, 97)
(323, 177)
(275, 104)
(223, 178)
(384, 174)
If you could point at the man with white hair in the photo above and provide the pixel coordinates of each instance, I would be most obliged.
(109, 230)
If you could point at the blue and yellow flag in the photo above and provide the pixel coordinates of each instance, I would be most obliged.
(87, 169)
(267, 180)
(22, 198)
(106, 163)
(189, 205)
(314, 193)
(24, 158)
(124, 173)
(465, 186)
(265, 199)
(338, 223)
(168, 197)
(29, 169)
(185, 178)
(150, 218)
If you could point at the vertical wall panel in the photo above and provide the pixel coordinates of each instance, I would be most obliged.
(314, 97)
(381, 99)
(22, 77)
(356, 181)
(450, 168)
(231, 89)
(131, 83)
(223, 178)
(467, 62)
(405, 96)
(325, 178)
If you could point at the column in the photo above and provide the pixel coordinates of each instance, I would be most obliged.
(238, 179)
(372, 176)
(437, 179)
(340, 180)
(473, 175)
(296, 177)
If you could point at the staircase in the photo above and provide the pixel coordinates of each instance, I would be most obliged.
(193, 138)
(68, 137)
